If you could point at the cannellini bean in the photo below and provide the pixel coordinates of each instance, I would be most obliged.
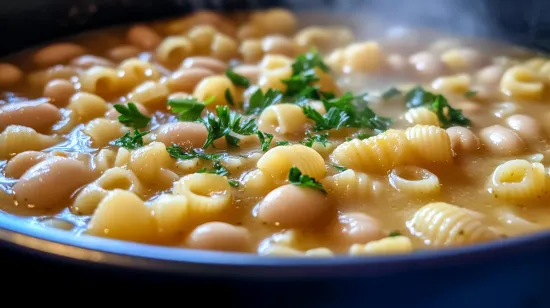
(185, 134)
(501, 140)
(185, 80)
(277, 44)
(88, 61)
(143, 37)
(37, 114)
(57, 54)
(293, 206)
(212, 64)
(123, 52)
(9, 74)
(50, 183)
(527, 127)
(463, 140)
(357, 228)
(59, 91)
(219, 236)
(20, 163)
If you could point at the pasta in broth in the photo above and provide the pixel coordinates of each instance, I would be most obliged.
(256, 136)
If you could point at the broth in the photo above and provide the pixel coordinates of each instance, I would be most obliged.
(183, 133)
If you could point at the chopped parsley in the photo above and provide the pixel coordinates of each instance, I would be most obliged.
(180, 153)
(470, 93)
(229, 97)
(299, 85)
(260, 101)
(237, 79)
(131, 142)
(322, 139)
(394, 233)
(333, 119)
(282, 143)
(225, 124)
(131, 117)
(308, 61)
(360, 136)
(265, 140)
(391, 93)
(296, 177)
(339, 168)
(219, 169)
(188, 109)
(447, 115)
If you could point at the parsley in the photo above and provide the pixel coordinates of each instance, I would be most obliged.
(470, 93)
(447, 115)
(131, 142)
(391, 93)
(224, 124)
(260, 101)
(339, 168)
(282, 143)
(229, 97)
(180, 153)
(265, 140)
(218, 169)
(188, 109)
(333, 119)
(304, 75)
(131, 117)
(394, 233)
(308, 61)
(359, 136)
(310, 140)
(296, 177)
(233, 183)
(237, 79)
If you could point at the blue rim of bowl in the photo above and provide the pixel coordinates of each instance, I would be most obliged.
(63, 246)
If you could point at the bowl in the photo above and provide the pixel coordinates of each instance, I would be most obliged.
(510, 273)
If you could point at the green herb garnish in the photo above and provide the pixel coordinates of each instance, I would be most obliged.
(229, 97)
(131, 117)
(180, 153)
(339, 168)
(131, 142)
(237, 79)
(218, 169)
(308, 61)
(470, 93)
(233, 183)
(260, 101)
(299, 85)
(226, 123)
(188, 109)
(322, 139)
(333, 119)
(265, 140)
(394, 233)
(296, 177)
(282, 143)
(390, 93)
(418, 97)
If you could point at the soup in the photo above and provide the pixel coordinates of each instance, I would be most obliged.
(244, 133)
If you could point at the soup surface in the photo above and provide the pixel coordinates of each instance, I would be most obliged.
(249, 133)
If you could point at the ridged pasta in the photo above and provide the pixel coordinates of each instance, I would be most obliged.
(377, 154)
(283, 119)
(208, 195)
(351, 185)
(100, 80)
(278, 161)
(385, 246)
(454, 84)
(173, 50)
(171, 215)
(153, 164)
(102, 131)
(104, 160)
(86, 106)
(430, 143)
(89, 197)
(215, 87)
(150, 94)
(522, 82)
(441, 224)
(422, 116)
(16, 139)
(134, 71)
(414, 181)
(517, 180)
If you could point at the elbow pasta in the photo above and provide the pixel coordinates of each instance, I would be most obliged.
(249, 133)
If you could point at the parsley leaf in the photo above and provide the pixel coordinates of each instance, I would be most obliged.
(333, 119)
(131, 142)
(359, 136)
(447, 115)
(224, 124)
(394, 233)
(282, 143)
(260, 101)
(339, 168)
(300, 84)
(391, 93)
(131, 117)
(188, 109)
(308, 61)
(218, 169)
(229, 97)
(180, 153)
(310, 140)
(470, 93)
(418, 97)
(237, 79)
(233, 183)
(296, 177)
(265, 140)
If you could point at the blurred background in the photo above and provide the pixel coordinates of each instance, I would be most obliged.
(526, 22)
